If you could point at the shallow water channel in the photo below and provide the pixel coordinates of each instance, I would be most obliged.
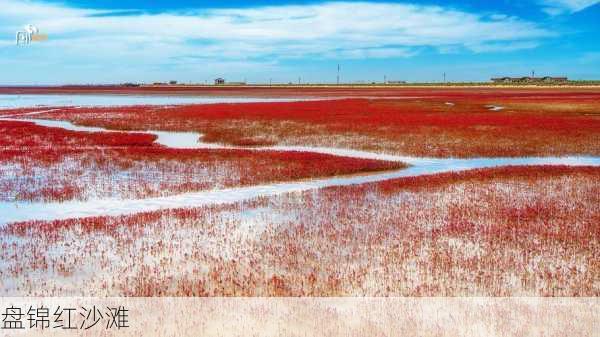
(25, 211)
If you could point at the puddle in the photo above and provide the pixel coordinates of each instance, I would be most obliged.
(494, 107)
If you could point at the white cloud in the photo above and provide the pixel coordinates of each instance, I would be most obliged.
(557, 7)
(255, 36)
(371, 53)
(502, 46)
(360, 29)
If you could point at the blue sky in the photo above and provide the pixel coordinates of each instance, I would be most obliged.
(106, 41)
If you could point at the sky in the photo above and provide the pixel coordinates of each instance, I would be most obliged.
(105, 41)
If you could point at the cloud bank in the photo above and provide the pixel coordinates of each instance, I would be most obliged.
(328, 30)
(198, 44)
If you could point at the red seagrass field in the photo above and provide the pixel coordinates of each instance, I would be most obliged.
(326, 208)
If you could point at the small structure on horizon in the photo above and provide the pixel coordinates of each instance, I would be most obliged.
(172, 82)
(530, 79)
(219, 81)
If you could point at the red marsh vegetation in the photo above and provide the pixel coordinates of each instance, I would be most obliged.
(514, 231)
(52, 164)
(456, 124)
(441, 92)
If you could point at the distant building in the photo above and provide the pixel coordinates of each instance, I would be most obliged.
(529, 80)
(219, 81)
(396, 82)
(172, 82)
(555, 79)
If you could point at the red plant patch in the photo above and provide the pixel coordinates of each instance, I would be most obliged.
(517, 231)
(46, 164)
(526, 173)
(417, 126)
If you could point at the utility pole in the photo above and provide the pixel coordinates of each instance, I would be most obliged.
(533, 73)
(384, 79)
(270, 82)
(444, 77)
(299, 80)
(338, 75)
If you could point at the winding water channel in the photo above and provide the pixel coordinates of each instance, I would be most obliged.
(25, 211)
